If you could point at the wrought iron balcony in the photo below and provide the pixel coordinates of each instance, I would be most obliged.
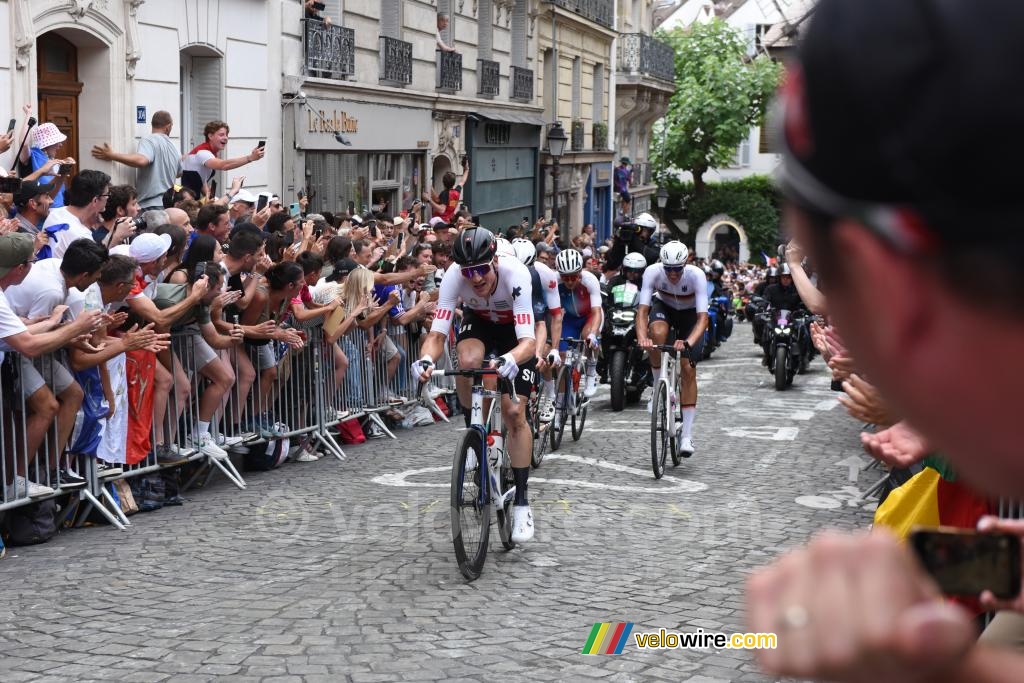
(449, 71)
(488, 77)
(599, 11)
(642, 55)
(522, 84)
(330, 50)
(395, 61)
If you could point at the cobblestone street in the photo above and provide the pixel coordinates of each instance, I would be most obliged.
(345, 571)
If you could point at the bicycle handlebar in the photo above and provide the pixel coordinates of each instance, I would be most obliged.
(671, 349)
(472, 372)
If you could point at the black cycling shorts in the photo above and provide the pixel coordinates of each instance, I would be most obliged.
(681, 321)
(499, 339)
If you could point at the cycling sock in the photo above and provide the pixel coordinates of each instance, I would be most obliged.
(549, 388)
(689, 413)
(520, 475)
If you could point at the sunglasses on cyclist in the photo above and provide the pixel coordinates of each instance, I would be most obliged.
(673, 269)
(571, 278)
(479, 270)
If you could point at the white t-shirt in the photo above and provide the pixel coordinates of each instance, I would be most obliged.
(511, 303)
(59, 242)
(690, 292)
(40, 292)
(10, 325)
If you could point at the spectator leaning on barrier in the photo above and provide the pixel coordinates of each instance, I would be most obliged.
(157, 158)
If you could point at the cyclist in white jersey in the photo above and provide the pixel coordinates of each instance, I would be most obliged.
(547, 313)
(495, 293)
(675, 294)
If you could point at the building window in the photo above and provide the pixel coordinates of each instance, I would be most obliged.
(755, 38)
(577, 87)
(202, 87)
(333, 9)
(445, 7)
(742, 159)
(391, 18)
(519, 34)
(598, 93)
(485, 29)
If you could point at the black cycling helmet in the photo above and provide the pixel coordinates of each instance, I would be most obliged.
(474, 245)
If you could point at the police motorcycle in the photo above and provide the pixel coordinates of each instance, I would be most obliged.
(626, 364)
(787, 345)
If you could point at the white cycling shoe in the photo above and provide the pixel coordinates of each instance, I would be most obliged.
(546, 409)
(590, 388)
(686, 447)
(522, 523)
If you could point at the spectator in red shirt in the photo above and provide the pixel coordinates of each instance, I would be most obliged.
(445, 204)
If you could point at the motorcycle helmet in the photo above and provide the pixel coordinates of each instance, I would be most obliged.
(474, 245)
(784, 270)
(772, 272)
(718, 267)
(525, 251)
(634, 261)
(674, 253)
(646, 220)
(504, 247)
(569, 261)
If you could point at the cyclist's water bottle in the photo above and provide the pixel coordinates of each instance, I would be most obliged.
(575, 379)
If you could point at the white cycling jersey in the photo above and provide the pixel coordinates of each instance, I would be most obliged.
(690, 292)
(549, 282)
(510, 303)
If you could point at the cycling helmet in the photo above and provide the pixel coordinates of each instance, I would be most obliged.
(784, 270)
(634, 261)
(674, 253)
(504, 247)
(525, 251)
(569, 261)
(645, 220)
(474, 245)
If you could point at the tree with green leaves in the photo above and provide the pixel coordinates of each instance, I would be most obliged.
(720, 94)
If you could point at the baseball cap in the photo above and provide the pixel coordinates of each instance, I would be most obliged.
(15, 249)
(244, 196)
(887, 100)
(342, 268)
(30, 189)
(148, 247)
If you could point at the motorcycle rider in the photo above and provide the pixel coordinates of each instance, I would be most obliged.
(675, 294)
(547, 310)
(629, 239)
(755, 309)
(613, 293)
(580, 293)
(784, 296)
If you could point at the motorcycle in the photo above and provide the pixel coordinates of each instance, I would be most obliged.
(756, 315)
(786, 347)
(719, 325)
(628, 366)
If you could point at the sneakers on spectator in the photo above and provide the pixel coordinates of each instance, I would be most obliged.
(373, 431)
(311, 449)
(546, 409)
(304, 456)
(108, 469)
(22, 487)
(166, 455)
(227, 441)
(205, 445)
(394, 398)
(342, 414)
(67, 479)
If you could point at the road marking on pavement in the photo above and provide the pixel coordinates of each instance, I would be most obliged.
(764, 433)
(667, 484)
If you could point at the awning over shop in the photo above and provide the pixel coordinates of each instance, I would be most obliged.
(506, 116)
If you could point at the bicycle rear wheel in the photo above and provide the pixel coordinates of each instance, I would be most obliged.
(470, 508)
(659, 429)
(579, 415)
(563, 389)
(504, 513)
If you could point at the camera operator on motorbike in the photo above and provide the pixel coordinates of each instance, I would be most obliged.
(675, 294)
(495, 292)
(783, 296)
(756, 308)
(629, 238)
(621, 294)
(547, 311)
(580, 294)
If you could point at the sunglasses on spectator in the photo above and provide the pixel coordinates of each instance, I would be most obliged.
(479, 270)
(673, 269)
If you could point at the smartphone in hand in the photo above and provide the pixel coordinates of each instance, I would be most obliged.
(10, 126)
(965, 562)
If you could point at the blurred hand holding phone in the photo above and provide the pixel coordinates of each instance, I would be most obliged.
(964, 562)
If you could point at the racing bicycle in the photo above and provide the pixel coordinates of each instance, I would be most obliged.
(570, 403)
(666, 413)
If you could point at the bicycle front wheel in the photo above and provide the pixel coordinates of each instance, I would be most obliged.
(539, 431)
(470, 505)
(504, 513)
(659, 429)
(579, 415)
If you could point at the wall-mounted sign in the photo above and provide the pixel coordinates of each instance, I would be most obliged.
(368, 127)
(140, 114)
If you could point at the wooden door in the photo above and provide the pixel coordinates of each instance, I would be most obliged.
(59, 89)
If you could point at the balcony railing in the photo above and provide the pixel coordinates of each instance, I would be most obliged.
(599, 11)
(449, 71)
(642, 55)
(522, 84)
(488, 77)
(641, 174)
(395, 61)
(330, 50)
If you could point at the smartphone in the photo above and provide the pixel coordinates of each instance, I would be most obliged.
(9, 185)
(319, 6)
(10, 126)
(213, 188)
(294, 210)
(262, 201)
(300, 194)
(965, 562)
(200, 270)
(263, 143)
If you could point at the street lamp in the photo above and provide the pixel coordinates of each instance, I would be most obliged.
(662, 199)
(556, 146)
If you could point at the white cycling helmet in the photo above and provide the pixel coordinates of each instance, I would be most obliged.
(645, 220)
(525, 251)
(505, 247)
(674, 253)
(569, 261)
(634, 261)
